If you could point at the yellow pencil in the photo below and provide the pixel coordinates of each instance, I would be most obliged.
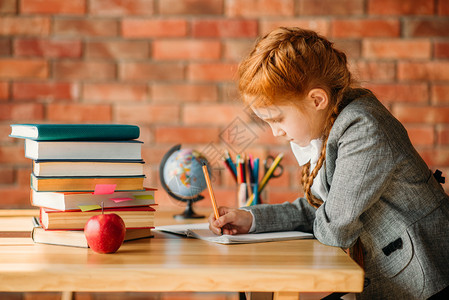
(266, 177)
(211, 192)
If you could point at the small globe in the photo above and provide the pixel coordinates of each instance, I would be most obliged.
(182, 177)
(183, 173)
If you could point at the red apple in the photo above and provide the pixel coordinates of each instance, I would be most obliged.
(105, 233)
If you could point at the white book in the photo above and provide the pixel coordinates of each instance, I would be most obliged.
(201, 231)
(83, 150)
(88, 168)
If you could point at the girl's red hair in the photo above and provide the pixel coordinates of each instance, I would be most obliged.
(290, 62)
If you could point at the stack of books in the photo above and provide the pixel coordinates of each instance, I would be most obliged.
(82, 170)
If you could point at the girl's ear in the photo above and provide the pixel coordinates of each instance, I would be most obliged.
(320, 98)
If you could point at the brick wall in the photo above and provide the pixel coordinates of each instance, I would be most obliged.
(169, 66)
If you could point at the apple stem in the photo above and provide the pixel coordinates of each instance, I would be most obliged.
(102, 207)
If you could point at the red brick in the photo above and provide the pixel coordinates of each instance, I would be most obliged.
(115, 92)
(13, 154)
(224, 196)
(80, 70)
(15, 197)
(440, 93)
(236, 50)
(443, 135)
(150, 71)
(279, 195)
(25, 112)
(191, 7)
(79, 112)
(85, 27)
(5, 47)
(443, 8)
(319, 25)
(363, 28)
(23, 176)
(145, 28)
(186, 134)
(435, 27)
(121, 8)
(6, 175)
(433, 70)
(225, 28)
(153, 154)
(441, 50)
(403, 7)
(352, 48)
(44, 91)
(8, 6)
(229, 93)
(396, 49)
(59, 7)
(331, 7)
(148, 113)
(184, 93)
(186, 50)
(5, 130)
(146, 134)
(259, 8)
(213, 114)
(4, 90)
(23, 68)
(47, 48)
(373, 71)
(118, 49)
(212, 72)
(24, 26)
(421, 135)
(435, 157)
(411, 93)
(421, 114)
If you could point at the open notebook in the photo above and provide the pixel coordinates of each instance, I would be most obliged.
(201, 231)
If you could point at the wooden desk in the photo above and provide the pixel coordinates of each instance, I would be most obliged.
(168, 263)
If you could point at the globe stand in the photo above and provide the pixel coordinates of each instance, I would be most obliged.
(188, 212)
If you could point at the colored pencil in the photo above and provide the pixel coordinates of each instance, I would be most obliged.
(266, 177)
(228, 166)
(256, 181)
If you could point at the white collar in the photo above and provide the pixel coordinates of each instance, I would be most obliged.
(308, 153)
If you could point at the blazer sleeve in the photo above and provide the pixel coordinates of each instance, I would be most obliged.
(363, 164)
(298, 215)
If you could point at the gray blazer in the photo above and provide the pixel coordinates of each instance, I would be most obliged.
(381, 191)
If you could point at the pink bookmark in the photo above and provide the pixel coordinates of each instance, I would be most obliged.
(104, 189)
(117, 200)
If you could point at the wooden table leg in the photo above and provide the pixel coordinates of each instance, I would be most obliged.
(286, 296)
(259, 296)
(272, 296)
(67, 295)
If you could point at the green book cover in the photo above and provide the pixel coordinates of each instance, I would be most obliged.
(75, 132)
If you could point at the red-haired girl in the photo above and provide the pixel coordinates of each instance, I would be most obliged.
(366, 187)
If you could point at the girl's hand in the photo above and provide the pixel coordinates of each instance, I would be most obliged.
(231, 221)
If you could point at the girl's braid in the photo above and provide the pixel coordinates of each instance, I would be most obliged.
(307, 176)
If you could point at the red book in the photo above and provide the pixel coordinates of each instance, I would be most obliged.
(134, 217)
